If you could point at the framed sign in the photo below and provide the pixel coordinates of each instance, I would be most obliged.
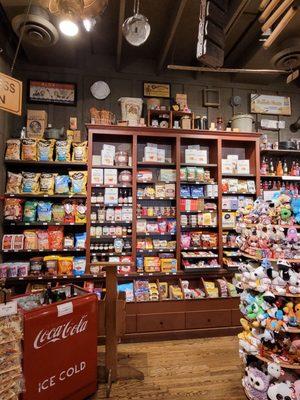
(267, 104)
(156, 89)
(10, 94)
(52, 92)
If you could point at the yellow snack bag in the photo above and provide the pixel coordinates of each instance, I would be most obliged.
(65, 265)
(79, 152)
(29, 150)
(45, 149)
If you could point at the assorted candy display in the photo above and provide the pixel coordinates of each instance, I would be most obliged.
(11, 379)
(198, 240)
(199, 219)
(161, 226)
(164, 262)
(195, 174)
(45, 150)
(143, 290)
(67, 212)
(51, 265)
(233, 185)
(198, 191)
(46, 183)
(52, 238)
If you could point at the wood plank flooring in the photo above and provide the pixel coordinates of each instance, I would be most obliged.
(201, 369)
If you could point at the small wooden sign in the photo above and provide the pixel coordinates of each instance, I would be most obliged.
(10, 94)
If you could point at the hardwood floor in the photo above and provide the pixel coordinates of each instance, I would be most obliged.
(207, 369)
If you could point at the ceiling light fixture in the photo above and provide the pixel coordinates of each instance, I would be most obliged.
(68, 27)
(89, 24)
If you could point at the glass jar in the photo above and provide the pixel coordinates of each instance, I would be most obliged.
(121, 158)
(125, 177)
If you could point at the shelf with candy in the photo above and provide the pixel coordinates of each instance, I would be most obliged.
(67, 164)
(144, 290)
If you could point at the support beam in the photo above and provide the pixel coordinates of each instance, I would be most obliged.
(170, 35)
(229, 70)
(120, 33)
(268, 10)
(236, 16)
(280, 27)
(276, 14)
(263, 4)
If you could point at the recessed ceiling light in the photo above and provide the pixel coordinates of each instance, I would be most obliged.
(68, 27)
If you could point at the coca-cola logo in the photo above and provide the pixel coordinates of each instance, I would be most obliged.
(60, 332)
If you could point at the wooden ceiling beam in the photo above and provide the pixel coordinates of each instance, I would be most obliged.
(236, 16)
(120, 33)
(170, 35)
(268, 10)
(276, 14)
(263, 4)
(228, 70)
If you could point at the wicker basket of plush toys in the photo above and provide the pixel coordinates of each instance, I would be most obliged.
(269, 285)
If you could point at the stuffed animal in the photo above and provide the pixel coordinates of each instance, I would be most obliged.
(281, 390)
(274, 369)
(294, 282)
(297, 312)
(256, 383)
(296, 209)
(290, 314)
(249, 339)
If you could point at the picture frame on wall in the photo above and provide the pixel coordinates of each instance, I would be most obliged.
(270, 104)
(157, 89)
(48, 92)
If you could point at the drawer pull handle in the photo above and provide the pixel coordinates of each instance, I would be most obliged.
(161, 323)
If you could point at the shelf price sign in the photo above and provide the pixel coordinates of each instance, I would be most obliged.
(10, 94)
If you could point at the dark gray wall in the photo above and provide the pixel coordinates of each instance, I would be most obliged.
(129, 83)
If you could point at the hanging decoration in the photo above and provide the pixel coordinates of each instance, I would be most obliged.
(136, 29)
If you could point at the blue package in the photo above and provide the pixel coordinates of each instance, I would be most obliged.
(140, 264)
(185, 191)
(62, 184)
(80, 240)
(79, 264)
(197, 191)
(128, 289)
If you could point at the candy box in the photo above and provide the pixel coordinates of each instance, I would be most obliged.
(161, 155)
(111, 196)
(144, 175)
(150, 154)
(160, 190)
(243, 167)
(97, 176)
(227, 166)
(110, 176)
(168, 265)
(168, 175)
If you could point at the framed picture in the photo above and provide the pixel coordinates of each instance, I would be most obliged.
(46, 92)
(268, 104)
(157, 89)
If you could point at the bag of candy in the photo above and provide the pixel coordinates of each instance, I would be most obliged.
(65, 265)
(43, 240)
(58, 213)
(56, 237)
(80, 213)
(69, 207)
(31, 240)
(80, 240)
(79, 264)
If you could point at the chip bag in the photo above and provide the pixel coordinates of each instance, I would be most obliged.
(63, 148)
(30, 211)
(80, 213)
(44, 211)
(78, 181)
(45, 150)
(13, 210)
(62, 184)
(79, 152)
(31, 240)
(13, 147)
(30, 183)
(14, 183)
(56, 237)
(29, 150)
(65, 265)
(47, 183)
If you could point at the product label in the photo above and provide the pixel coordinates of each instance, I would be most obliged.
(64, 309)
(7, 309)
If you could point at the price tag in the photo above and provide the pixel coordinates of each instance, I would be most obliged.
(64, 309)
(40, 278)
(45, 195)
(95, 276)
(54, 277)
(71, 223)
(21, 278)
(65, 276)
(7, 309)
(44, 223)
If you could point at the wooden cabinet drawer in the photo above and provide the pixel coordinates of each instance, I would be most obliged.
(208, 319)
(130, 324)
(160, 322)
(236, 315)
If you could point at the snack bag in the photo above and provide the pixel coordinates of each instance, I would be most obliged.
(29, 150)
(79, 264)
(43, 240)
(45, 150)
(58, 213)
(13, 183)
(44, 211)
(30, 183)
(79, 152)
(31, 240)
(80, 240)
(65, 265)
(13, 210)
(69, 212)
(62, 184)
(68, 242)
(13, 148)
(78, 181)
(30, 211)
(47, 183)
(80, 213)
(56, 237)
(7, 242)
(51, 263)
(62, 150)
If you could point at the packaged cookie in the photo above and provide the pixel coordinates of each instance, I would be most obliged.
(14, 183)
(30, 211)
(62, 148)
(30, 182)
(45, 150)
(31, 241)
(47, 183)
(13, 210)
(13, 149)
(78, 181)
(29, 150)
(62, 184)
(79, 152)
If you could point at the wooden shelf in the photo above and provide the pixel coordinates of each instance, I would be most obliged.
(198, 198)
(199, 212)
(68, 164)
(21, 223)
(239, 175)
(146, 251)
(47, 196)
(139, 234)
(199, 165)
(111, 167)
(67, 250)
(111, 186)
(157, 198)
(282, 364)
(111, 223)
(291, 260)
(280, 151)
(154, 164)
(189, 227)
(155, 217)
(238, 194)
(197, 183)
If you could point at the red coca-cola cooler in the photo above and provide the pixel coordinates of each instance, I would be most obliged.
(60, 349)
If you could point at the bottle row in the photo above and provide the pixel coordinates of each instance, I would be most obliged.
(279, 168)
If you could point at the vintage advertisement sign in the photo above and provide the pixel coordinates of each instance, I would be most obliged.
(10, 94)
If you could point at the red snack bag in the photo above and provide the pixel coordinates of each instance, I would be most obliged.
(70, 211)
(56, 237)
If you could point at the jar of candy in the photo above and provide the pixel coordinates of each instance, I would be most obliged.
(125, 177)
(121, 158)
